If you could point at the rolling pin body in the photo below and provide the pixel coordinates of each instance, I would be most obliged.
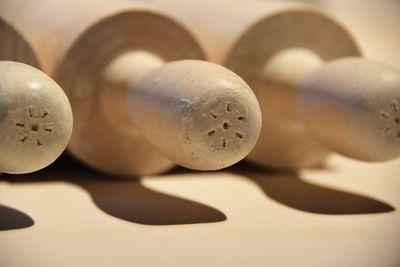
(250, 37)
(84, 52)
(35, 115)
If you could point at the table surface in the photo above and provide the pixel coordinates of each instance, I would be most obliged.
(344, 214)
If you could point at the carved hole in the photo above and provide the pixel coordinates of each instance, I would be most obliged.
(30, 112)
(24, 139)
(48, 129)
(395, 105)
(397, 120)
(228, 107)
(225, 126)
(45, 114)
(223, 143)
(241, 118)
(239, 135)
(384, 115)
(38, 142)
(20, 124)
(35, 127)
(211, 133)
(212, 115)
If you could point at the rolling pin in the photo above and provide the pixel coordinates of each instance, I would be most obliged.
(35, 115)
(139, 107)
(312, 101)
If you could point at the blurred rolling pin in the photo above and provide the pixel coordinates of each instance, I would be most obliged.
(35, 115)
(135, 113)
(309, 105)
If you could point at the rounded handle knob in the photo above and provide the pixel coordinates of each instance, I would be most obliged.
(199, 114)
(352, 106)
(188, 112)
(35, 119)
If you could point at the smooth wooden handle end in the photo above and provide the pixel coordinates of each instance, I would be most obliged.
(352, 106)
(35, 119)
(198, 114)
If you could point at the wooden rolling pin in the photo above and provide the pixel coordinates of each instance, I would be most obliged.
(309, 107)
(35, 115)
(14, 47)
(35, 119)
(135, 113)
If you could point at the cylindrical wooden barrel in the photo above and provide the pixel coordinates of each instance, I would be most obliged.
(35, 115)
(14, 46)
(245, 36)
(90, 48)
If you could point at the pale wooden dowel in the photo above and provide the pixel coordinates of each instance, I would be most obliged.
(198, 114)
(96, 77)
(244, 36)
(14, 46)
(35, 119)
(352, 106)
(274, 46)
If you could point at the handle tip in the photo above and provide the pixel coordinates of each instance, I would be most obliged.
(352, 106)
(35, 119)
(199, 114)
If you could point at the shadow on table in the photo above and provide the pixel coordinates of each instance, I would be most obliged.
(128, 200)
(289, 189)
(12, 219)
(131, 201)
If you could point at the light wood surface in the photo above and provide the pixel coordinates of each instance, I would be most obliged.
(346, 215)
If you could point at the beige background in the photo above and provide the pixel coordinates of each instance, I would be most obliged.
(374, 23)
(346, 214)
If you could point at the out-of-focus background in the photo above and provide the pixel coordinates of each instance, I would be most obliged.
(375, 24)
(347, 214)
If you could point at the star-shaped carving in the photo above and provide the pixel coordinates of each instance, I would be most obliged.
(391, 117)
(33, 123)
(228, 122)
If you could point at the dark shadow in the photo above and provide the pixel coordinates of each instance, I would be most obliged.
(128, 200)
(131, 201)
(12, 219)
(292, 191)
